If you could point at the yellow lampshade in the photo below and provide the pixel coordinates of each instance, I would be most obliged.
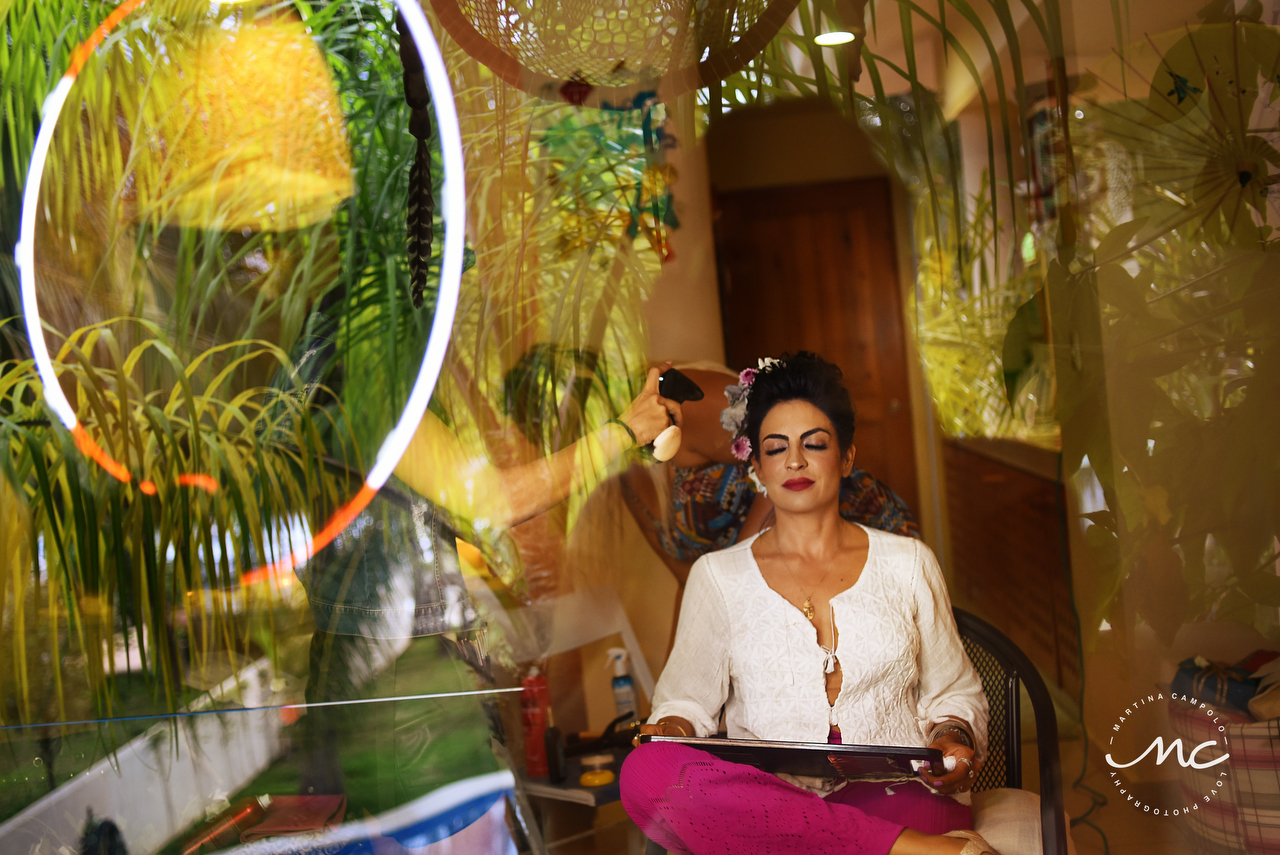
(253, 136)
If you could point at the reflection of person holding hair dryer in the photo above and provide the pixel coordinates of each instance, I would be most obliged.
(438, 468)
(394, 570)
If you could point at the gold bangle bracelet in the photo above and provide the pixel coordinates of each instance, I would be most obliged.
(664, 723)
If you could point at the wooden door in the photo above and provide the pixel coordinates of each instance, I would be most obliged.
(814, 267)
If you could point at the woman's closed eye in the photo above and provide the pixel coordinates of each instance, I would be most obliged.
(810, 446)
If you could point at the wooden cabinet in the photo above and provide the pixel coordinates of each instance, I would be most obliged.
(1008, 554)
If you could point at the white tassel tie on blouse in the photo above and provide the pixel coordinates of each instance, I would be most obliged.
(829, 663)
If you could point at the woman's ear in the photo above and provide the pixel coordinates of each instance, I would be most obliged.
(846, 461)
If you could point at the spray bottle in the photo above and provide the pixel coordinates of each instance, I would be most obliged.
(624, 690)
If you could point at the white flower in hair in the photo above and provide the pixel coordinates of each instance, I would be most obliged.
(732, 416)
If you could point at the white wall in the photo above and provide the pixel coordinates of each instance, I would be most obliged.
(683, 313)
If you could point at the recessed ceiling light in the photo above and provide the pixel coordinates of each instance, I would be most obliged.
(830, 39)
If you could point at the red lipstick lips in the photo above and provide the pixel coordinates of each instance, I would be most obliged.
(798, 484)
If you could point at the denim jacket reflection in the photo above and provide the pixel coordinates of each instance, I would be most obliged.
(392, 573)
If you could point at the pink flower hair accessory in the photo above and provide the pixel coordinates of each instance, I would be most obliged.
(733, 417)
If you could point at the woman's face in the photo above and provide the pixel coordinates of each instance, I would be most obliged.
(799, 460)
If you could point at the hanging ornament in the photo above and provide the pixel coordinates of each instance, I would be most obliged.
(613, 53)
(422, 203)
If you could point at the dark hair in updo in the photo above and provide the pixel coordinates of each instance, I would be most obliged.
(801, 376)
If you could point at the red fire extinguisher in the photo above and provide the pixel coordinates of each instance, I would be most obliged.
(535, 714)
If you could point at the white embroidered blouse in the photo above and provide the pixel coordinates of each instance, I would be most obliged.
(741, 644)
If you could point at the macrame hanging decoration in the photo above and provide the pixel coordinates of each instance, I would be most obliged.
(612, 53)
(422, 203)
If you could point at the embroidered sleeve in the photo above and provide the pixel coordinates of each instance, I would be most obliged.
(695, 682)
(949, 685)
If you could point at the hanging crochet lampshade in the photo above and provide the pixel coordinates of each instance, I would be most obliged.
(609, 52)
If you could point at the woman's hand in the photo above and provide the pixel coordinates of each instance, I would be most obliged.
(650, 413)
(669, 726)
(960, 779)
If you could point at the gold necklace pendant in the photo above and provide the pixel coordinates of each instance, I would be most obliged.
(807, 609)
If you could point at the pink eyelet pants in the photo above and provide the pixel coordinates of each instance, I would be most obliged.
(688, 801)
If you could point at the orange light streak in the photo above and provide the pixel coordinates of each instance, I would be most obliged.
(81, 56)
(89, 448)
(205, 482)
(340, 520)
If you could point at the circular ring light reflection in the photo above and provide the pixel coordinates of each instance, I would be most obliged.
(397, 441)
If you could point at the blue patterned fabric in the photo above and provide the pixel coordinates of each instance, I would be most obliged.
(710, 503)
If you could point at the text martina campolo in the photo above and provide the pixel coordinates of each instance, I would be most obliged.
(1174, 748)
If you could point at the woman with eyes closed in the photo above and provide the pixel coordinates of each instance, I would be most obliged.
(815, 630)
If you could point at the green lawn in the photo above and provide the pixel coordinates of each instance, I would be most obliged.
(28, 756)
(390, 753)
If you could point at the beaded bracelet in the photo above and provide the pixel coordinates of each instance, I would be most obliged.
(966, 738)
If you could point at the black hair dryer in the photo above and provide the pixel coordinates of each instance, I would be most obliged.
(674, 386)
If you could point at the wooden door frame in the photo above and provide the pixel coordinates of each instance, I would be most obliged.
(925, 434)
